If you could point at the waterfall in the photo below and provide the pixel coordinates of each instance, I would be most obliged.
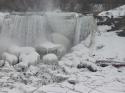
(85, 26)
(31, 29)
(25, 29)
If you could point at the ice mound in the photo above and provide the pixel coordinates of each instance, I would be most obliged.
(50, 59)
(31, 58)
(49, 47)
(23, 56)
(11, 59)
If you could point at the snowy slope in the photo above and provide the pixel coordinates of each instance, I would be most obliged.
(109, 46)
(117, 12)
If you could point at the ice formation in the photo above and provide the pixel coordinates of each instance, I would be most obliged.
(30, 59)
(50, 59)
(11, 59)
(51, 34)
(47, 47)
(32, 29)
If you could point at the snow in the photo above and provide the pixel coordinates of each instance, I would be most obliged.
(102, 81)
(117, 12)
(112, 47)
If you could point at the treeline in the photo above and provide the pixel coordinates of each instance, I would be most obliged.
(65, 5)
(88, 5)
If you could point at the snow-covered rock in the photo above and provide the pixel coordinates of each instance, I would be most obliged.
(50, 59)
(91, 66)
(12, 59)
(30, 59)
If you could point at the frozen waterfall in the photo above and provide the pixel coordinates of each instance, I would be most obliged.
(31, 29)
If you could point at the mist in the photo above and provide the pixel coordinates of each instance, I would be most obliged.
(29, 5)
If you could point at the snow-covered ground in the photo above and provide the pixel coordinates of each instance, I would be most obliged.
(109, 46)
